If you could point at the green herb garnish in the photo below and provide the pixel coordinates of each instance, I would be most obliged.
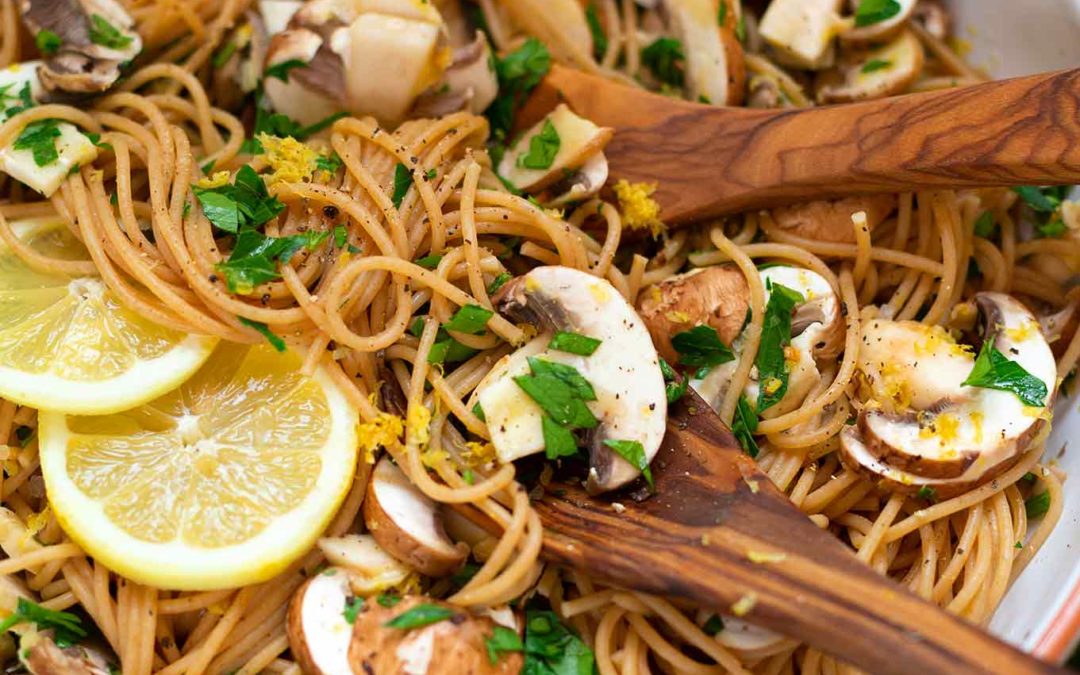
(928, 493)
(352, 609)
(67, 628)
(328, 163)
(243, 204)
(40, 139)
(775, 336)
(599, 38)
(281, 70)
(633, 452)
(502, 640)
(498, 282)
(701, 348)
(674, 384)
(48, 42)
(874, 65)
(387, 600)
(875, 11)
(429, 262)
(273, 338)
(993, 370)
(984, 225)
(551, 648)
(1037, 505)
(666, 59)
(470, 319)
(714, 625)
(402, 182)
(419, 616)
(255, 257)
(744, 426)
(574, 343)
(518, 73)
(543, 147)
(107, 35)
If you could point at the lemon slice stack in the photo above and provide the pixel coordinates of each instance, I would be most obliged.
(176, 463)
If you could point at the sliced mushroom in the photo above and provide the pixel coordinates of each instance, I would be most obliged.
(407, 524)
(80, 65)
(276, 14)
(714, 296)
(469, 84)
(875, 73)
(624, 371)
(801, 32)
(319, 634)
(921, 421)
(715, 68)
(367, 58)
(73, 148)
(1060, 327)
(578, 142)
(39, 653)
(448, 647)
(831, 221)
(881, 30)
(239, 75)
(371, 569)
(750, 641)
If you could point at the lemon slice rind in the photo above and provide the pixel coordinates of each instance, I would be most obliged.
(179, 566)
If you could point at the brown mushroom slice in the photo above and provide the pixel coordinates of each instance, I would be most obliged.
(579, 140)
(948, 430)
(831, 220)
(302, 97)
(578, 185)
(407, 524)
(714, 296)
(750, 641)
(875, 73)
(469, 83)
(371, 569)
(449, 647)
(624, 371)
(1060, 327)
(80, 65)
(319, 634)
(801, 32)
(715, 71)
(881, 30)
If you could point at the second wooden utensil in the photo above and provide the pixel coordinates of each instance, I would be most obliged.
(710, 161)
(717, 533)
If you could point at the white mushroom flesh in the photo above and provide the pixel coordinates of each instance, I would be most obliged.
(624, 371)
(317, 626)
(292, 98)
(73, 148)
(581, 184)
(371, 569)
(276, 14)
(922, 424)
(694, 22)
(579, 140)
(802, 31)
(875, 73)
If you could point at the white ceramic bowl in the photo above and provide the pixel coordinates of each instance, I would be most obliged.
(1041, 613)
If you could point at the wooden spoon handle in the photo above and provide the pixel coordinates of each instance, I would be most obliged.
(720, 535)
(711, 161)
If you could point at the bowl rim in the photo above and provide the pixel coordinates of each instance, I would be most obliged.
(1063, 631)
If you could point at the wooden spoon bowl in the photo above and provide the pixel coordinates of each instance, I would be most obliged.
(714, 512)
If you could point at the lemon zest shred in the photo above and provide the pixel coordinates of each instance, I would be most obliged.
(743, 605)
(478, 454)
(383, 431)
(639, 210)
(216, 180)
(291, 160)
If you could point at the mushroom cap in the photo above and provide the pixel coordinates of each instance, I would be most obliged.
(624, 370)
(371, 569)
(875, 73)
(40, 654)
(715, 68)
(928, 426)
(407, 524)
(579, 141)
(80, 66)
(881, 30)
(450, 647)
(830, 220)
(714, 296)
(470, 83)
(319, 635)
(303, 97)
(578, 185)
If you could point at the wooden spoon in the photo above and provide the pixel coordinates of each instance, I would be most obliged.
(710, 161)
(714, 513)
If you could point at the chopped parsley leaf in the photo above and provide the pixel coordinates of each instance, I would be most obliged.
(1037, 505)
(470, 319)
(328, 163)
(498, 282)
(558, 440)
(67, 628)
(48, 42)
(874, 65)
(40, 139)
(700, 347)
(543, 148)
(24, 434)
(674, 384)
(352, 609)
(928, 493)
(599, 38)
(429, 262)
(574, 343)
(518, 73)
(713, 626)
(870, 12)
(551, 648)
(107, 35)
(223, 54)
(775, 336)
(281, 70)
(245, 203)
(984, 225)
(273, 338)
(666, 59)
(255, 257)
(387, 599)
(633, 452)
(403, 180)
(502, 640)
(420, 616)
(744, 426)
(994, 370)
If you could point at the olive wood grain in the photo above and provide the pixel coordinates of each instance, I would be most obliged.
(693, 539)
(710, 161)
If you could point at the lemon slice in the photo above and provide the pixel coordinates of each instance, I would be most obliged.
(221, 483)
(67, 344)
